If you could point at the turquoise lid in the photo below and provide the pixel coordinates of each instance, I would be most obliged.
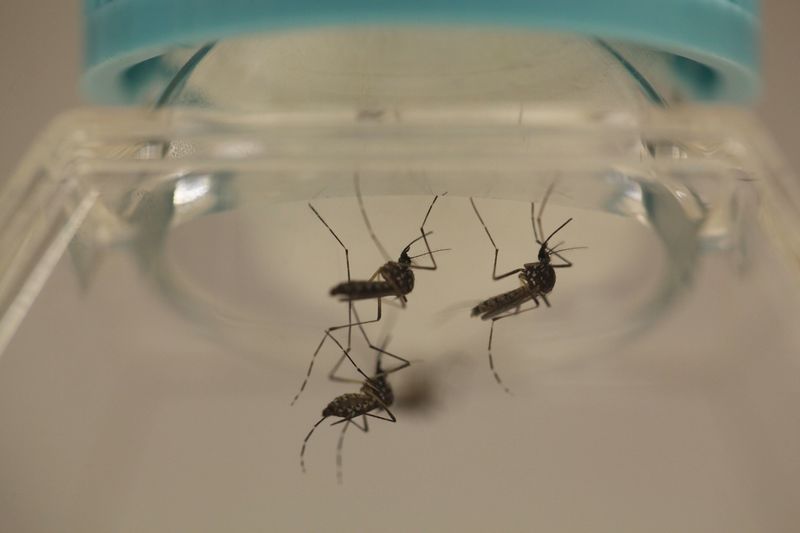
(714, 41)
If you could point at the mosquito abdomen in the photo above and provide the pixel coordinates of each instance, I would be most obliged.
(501, 303)
(350, 405)
(363, 290)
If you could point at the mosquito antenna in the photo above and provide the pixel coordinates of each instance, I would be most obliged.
(356, 180)
(559, 250)
(305, 441)
(426, 234)
(556, 231)
(431, 252)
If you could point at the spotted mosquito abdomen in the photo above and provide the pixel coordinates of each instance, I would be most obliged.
(501, 303)
(363, 290)
(350, 405)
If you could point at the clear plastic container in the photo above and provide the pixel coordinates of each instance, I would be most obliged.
(164, 284)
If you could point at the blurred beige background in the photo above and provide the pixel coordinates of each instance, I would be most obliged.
(40, 54)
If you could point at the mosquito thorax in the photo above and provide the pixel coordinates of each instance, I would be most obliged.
(400, 274)
(379, 387)
(540, 276)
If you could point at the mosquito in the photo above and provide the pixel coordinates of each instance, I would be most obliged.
(537, 279)
(375, 395)
(396, 277)
(393, 278)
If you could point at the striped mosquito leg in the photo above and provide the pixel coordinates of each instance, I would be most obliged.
(517, 311)
(310, 368)
(347, 262)
(339, 446)
(345, 353)
(491, 360)
(305, 441)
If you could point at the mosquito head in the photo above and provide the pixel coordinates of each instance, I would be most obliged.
(544, 251)
(544, 254)
(405, 259)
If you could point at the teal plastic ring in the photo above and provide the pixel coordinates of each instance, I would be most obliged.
(715, 42)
